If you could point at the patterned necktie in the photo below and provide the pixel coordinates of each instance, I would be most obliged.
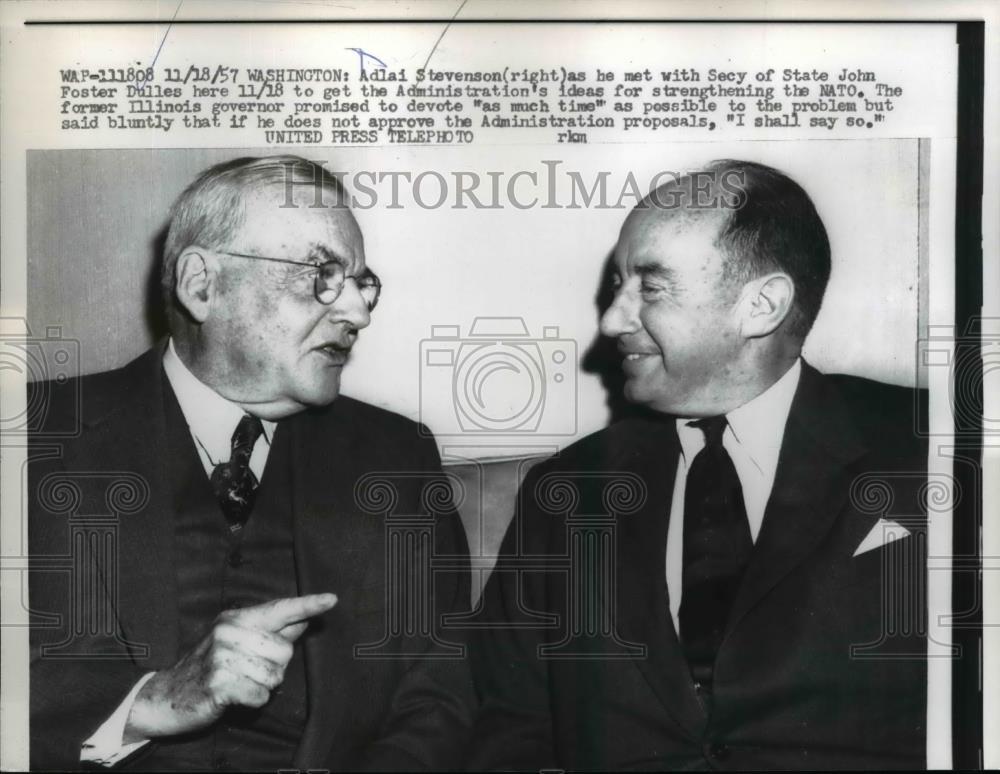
(234, 483)
(717, 547)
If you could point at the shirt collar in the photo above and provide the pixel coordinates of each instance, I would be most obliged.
(210, 417)
(758, 425)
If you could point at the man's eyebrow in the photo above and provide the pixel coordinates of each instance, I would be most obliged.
(326, 255)
(655, 270)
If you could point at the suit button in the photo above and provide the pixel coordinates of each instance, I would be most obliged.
(219, 763)
(718, 751)
(236, 559)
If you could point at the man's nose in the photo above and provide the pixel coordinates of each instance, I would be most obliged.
(622, 316)
(350, 306)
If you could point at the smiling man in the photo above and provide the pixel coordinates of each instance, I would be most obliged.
(745, 586)
(249, 566)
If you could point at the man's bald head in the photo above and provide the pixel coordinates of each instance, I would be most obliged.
(768, 223)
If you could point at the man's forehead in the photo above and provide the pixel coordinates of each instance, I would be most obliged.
(297, 220)
(657, 234)
(301, 199)
(678, 215)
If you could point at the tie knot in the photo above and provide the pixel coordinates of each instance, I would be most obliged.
(713, 428)
(247, 432)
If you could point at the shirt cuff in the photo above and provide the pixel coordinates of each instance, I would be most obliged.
(105, 746)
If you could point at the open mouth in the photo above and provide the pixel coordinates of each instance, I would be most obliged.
(335, 354)
(637, 362)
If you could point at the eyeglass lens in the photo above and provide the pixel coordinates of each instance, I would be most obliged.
(330, 283)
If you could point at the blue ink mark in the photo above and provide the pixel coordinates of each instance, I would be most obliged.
(446, 28)
(176, 11)
(362, 54)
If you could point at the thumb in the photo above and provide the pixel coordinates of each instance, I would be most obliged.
(293, 631)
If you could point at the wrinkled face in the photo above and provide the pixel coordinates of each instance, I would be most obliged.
(281, 350)
(673, 315)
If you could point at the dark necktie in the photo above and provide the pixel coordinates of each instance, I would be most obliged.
(717, 547)
(234, 483)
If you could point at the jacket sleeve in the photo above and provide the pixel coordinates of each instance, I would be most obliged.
(75, 683)
(433, 702)
(514, 727)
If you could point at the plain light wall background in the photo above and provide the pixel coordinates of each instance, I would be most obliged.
(94, 217)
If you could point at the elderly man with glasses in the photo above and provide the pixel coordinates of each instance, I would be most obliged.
(251, 597)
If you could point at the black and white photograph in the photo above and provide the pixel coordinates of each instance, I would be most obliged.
(475, 387)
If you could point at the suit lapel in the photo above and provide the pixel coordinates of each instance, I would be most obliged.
(333, 543)
(130, 443)
(810, 488)
(645, 606)
(332, 538)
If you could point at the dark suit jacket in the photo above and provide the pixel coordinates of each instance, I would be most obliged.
(822, 663)
(410, 709)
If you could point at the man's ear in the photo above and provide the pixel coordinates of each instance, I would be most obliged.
(196, 276)
(766, 302)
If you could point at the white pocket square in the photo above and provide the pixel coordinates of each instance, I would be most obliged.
(884, 532)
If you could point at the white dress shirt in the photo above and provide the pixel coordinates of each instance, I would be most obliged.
(753, 440)
(211, 419)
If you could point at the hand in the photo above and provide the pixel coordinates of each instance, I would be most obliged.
(239, 662)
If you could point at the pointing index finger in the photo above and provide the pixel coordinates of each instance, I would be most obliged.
(278, 613)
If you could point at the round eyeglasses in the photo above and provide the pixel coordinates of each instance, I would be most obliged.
(330, 278)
